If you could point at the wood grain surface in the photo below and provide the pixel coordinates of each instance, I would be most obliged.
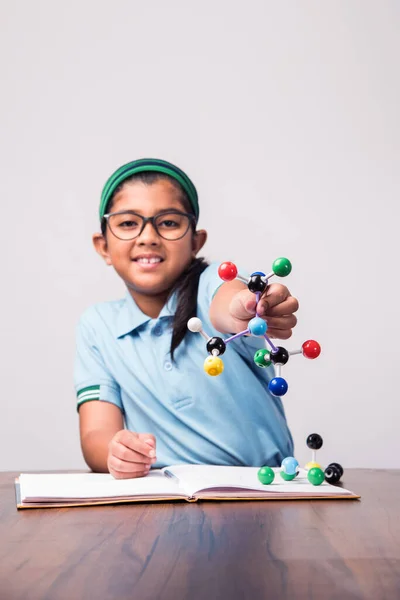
(322, 549)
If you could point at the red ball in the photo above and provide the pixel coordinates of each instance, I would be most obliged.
(227, 271)
(311, 349)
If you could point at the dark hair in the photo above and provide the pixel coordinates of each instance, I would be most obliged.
(187, 284)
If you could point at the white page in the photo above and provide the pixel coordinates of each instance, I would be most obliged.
(74, 486)
(195, 478)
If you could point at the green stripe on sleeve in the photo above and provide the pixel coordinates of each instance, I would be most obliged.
(91, 389)
(80, 402)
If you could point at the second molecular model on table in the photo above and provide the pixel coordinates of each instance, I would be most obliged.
(316, 475)
(271, 354)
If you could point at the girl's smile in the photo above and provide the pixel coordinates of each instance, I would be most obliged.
(149, 264)
(148, 261)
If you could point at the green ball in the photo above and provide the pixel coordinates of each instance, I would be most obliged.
(262, 358)
(315, 476)
(266, 475)
(288, 477)
(282, 267)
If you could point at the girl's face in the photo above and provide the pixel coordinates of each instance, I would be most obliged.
(130, 257)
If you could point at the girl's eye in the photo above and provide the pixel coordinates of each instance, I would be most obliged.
(127, 224)
(168, 223)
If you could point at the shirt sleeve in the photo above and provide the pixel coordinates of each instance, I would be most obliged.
(209, 283)
(92, 378)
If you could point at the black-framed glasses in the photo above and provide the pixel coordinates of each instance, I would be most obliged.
(128, 225)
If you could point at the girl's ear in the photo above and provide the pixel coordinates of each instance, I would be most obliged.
(100, 245)
(199, 239)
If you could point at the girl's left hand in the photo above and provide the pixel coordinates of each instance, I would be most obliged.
(276, 307)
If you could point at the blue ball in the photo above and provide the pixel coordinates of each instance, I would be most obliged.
(278, 386)
(257, 326)
(290, 465)
(258, 273)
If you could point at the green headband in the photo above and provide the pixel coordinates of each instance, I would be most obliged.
(148, 164)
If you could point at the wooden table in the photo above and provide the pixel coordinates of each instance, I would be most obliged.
(323, 549)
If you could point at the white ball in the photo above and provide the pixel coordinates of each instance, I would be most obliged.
(195, 325)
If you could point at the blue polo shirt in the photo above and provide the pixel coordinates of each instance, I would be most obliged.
(123, 357)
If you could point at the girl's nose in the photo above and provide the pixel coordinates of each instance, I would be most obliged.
(149, 235)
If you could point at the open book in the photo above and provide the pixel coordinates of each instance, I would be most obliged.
(179, 482)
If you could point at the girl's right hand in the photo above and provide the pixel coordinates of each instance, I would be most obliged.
(131, 454)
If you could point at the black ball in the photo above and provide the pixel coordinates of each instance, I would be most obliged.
(281, 357)
(216, 343)
(338, 466)
(314, 441)
(332, 474)
(256, 283)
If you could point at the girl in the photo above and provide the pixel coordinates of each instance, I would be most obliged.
(143, 397)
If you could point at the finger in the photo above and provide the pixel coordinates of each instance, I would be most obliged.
(243, 305)
(123, 466)
(287, 322)
(280, 334)
(122, 475)
(275, 294)
(249, 305)
(287, 307)
(131, 440)
(124, 453)
(149, 438)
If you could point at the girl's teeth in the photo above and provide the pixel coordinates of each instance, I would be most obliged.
(149, 260)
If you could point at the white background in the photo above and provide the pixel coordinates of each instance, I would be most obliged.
(286, 116)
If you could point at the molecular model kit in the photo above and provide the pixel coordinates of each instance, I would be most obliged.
(277, 356)
(315, 475)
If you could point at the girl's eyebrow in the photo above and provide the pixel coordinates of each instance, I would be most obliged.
(160, 212)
